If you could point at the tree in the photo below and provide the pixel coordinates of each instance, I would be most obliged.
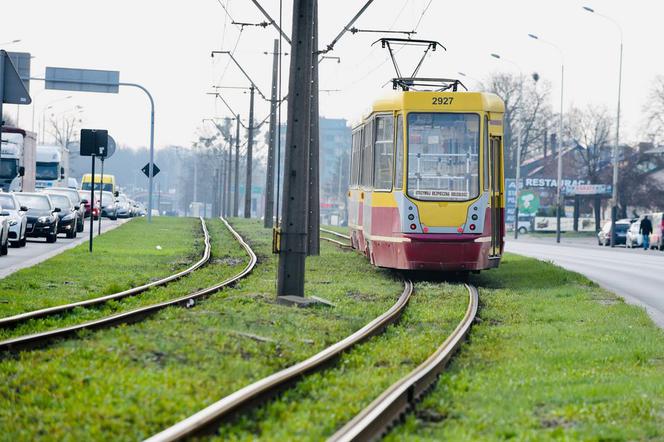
(638, 187)
(526, 101)
(589, 131)
(65, 130)
(7, 120)
(654, 111)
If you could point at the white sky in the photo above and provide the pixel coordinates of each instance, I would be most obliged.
(165, 45)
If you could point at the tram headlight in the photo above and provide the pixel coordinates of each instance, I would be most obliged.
(411, 217)
(474, 217)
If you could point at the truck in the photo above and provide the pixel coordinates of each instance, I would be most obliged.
(52, 166)
(17, 160)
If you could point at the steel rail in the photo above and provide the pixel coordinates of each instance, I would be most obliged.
(40, 339)
(11, 321)
(377, 418)
(208, 419)
(337, 243)
(332, 232)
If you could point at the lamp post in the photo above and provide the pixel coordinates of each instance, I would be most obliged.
(559, 180)
(463, 74)
(518, 143)
(6, 43)
(47, 107)
(614, 203)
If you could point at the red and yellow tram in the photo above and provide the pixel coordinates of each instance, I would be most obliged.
(427, 183)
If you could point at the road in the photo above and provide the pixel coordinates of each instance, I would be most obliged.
(636, 275)
(39, 250)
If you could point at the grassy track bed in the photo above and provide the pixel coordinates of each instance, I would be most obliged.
(230, 263)
(554, 357)
(132, 381)
(123, 258)
(325, 401)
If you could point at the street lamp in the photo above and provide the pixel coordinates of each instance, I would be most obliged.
(463, 74)
(614, 205)
(50, 106)
(560, 134)
(10, 42)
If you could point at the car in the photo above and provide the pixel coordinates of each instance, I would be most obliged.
(42, 215)
(634, 238)
(525, 223)
(75, 198)
(124, 209)
(67, 216)
(604, 235)
(4, 232)
(85, 197)
(109, 208)
(16, 216)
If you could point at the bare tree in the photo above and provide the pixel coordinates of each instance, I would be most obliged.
(7, 120)
(65, 129)
(526, 101)
(654, 111)
(590, 131)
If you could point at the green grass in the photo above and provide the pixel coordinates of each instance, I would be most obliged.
(554, 357)
(123, 258)
(132, 381)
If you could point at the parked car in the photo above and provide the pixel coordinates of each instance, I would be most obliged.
(85, 197)
(76, 199)
(16, 216)
(657, 237)
(4, 232)
(108, 205)
(525, 223)
(604, 235)
(42, 215)
(67, 216)
(634, 238)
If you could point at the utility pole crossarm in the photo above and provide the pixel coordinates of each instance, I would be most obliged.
(241, 70)
(271, 20)
(346, 28)
(227, 105)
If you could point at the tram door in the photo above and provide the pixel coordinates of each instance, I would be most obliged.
(496, 191)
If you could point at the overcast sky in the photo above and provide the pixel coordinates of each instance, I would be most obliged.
(165, 45)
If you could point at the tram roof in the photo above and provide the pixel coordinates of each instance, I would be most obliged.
(422, 101)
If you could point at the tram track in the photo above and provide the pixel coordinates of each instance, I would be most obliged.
(11, 321)
(40, 339)
(377, 418)
(335, 241)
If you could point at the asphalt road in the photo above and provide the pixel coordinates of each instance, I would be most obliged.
(38, 250)
(635, 274)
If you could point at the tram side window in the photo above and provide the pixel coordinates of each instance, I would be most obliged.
(384, 152)
(355, 158)
(443, 156)
(367, 155)
(398, 170)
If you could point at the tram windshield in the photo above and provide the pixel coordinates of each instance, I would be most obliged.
(443, 156)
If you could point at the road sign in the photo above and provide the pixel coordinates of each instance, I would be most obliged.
(94, 142)
(14, 89)
(21, 62)
(111, 147)
(146, 170)
(529, 202)
(82, 80)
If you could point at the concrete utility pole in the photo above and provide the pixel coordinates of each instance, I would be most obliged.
(229, 162)
(293, 241)
(269, 175)
(250, 146)
(313, 226)
(236, 187)
(221, 185)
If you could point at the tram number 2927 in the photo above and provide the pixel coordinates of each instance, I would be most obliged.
(441, 101)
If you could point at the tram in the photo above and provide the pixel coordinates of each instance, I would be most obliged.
(427, 183)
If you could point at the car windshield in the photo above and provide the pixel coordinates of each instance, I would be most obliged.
(7, 202)
(108, 187)
(47, 171)
(621, 228)
(35, 202)
(61, 201)
(8, 167)
(107, 197)
(443, 156)
(72, 194)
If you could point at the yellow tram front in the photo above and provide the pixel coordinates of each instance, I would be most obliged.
(427, 184)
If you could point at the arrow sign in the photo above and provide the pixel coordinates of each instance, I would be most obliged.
(146, 170)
